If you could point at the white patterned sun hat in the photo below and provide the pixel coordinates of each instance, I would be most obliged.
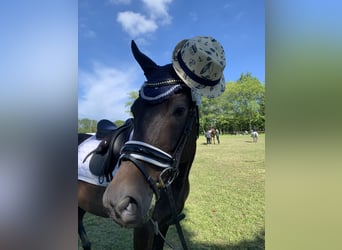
(200, 62)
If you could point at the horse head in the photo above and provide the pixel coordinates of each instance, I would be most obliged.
(160, 151)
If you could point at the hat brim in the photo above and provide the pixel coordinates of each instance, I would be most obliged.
(206, 91)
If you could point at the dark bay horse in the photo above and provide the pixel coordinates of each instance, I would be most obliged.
(151, 184)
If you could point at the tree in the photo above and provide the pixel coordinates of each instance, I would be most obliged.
(119, 123)
(241, 107)
(133, 95)
(248, 99)
(87, 126)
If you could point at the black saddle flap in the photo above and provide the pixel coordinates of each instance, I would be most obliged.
(96, 164)
(101, 154)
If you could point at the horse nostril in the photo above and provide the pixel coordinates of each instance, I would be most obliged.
(129, 204)
(131, 208)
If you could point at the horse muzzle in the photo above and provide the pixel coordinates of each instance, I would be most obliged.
(131, 196)
(127, 212)
(129, 202)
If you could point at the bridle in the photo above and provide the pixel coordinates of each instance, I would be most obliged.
(138, 152)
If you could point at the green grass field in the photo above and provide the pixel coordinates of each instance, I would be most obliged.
(226, 205)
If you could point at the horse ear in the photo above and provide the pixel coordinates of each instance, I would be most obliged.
(147, 65)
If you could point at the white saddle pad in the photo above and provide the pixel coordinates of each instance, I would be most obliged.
(84, 173)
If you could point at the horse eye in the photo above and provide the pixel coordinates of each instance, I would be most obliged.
(179, 111)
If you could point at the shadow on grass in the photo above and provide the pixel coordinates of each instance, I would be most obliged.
(257, 243)
(104, 234)
(250, 142)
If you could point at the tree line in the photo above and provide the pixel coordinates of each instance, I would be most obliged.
(240, 108)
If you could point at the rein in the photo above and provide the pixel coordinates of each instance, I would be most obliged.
(137, 152)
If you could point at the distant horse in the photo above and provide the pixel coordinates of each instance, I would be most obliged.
(255, 136)
(213, 135)
(151, 184)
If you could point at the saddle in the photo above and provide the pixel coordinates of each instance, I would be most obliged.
(105, 156)
(104, 128)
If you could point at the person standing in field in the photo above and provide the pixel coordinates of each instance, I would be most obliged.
(217, 136)
(208, 136)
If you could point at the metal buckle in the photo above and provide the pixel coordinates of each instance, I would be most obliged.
(167, 176)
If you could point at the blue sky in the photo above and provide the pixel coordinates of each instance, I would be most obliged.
(107, 71)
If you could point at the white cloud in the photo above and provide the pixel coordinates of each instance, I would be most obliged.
(136, 24)
(227, 5)
(194, 16)
(90, 34)
(86, 31)
(106, 93)
(239, 16)
(157, 9)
